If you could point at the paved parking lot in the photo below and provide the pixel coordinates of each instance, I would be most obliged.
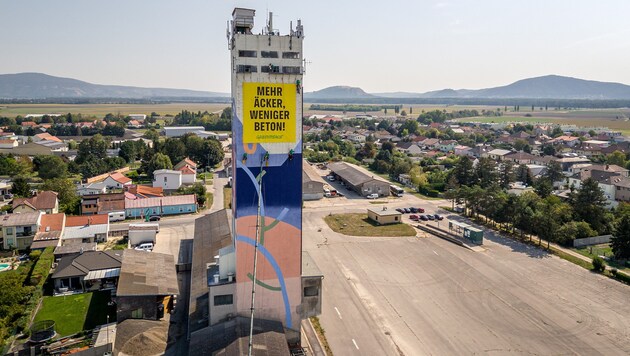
(423, 295)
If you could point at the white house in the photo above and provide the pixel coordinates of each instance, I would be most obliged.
(167, 179)
(8, 143)
(91, 188)
(117, 180)
(189, 176)
(496, 154)
(461, 150)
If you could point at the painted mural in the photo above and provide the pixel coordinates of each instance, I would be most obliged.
(268, 169)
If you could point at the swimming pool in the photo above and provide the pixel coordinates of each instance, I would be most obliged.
(4, 266)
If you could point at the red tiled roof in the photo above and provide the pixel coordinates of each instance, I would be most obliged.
(54, 222)
(7, 141)
(186, 170)
(83, 220)
(120, 178)
(28, 123)
(48, 137)
(43, 200)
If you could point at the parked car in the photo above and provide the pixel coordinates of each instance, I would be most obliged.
(413, 210)
(424, 218)
(340, 194)
(400, 210)
(414, 217)
(406, 210)
(420, 210)
(372, 196)
(431, 217)
(154, 218)
(146, 246)
(331, 178)
(438, 217)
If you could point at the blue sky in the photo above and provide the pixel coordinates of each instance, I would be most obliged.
(380, 46)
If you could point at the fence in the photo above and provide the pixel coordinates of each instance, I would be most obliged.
(596, 240)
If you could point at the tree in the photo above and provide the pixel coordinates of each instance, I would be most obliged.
(198, 189)
(175, 149)
(464, 172)
(550, 214)
(549, 150)
(128, 151)
(543, 187)
(524, 211)
(20, 187)
(94, 148)
(50, 167)
(598, 264)
(620, 242)
(213, 153)
(520, 144)
(158, 161)
(486, 172)
(617, 157)
(506, 175)
(69, 201)
(588, 204)
(523, 174)
(403, 113)
(574, 230)
(410, 125)
(367, 151)
(554, 172)
(151, 134)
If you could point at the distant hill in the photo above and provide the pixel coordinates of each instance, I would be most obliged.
(40, 86)
(546, 87)
(338, 92)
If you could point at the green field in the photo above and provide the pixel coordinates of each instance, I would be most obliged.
(76, 312)
(360, 225)
(100, 110)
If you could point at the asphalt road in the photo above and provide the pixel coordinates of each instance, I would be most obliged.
(423, 295)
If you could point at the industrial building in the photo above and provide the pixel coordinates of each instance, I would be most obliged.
(358, 180)
(312, 183)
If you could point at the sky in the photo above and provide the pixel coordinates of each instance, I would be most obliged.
(379, 46)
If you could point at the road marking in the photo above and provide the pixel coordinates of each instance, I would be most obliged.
(355, 344)
(338, 313)
(435, 253)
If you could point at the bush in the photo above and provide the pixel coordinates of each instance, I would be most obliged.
(42, 268)
(34, 255)
(598, 264)
(614, 272)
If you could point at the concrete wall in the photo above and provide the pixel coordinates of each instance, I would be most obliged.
(220, 312)
(375, 186)
(596, 240)
(312, 190)
(311, 305)
(384, 220)
(137, 237)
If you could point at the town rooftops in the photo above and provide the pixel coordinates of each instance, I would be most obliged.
(144, 191)
(186, 170)
(20, 219)
(8, 141)
(85, 231)
(101, 219)
(147, 273)
(48, 137)
(499, 152)
(185, 162)
(166, 171)
(46, 199)
(160, 201)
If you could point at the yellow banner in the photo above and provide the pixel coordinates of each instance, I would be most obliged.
(269, 113)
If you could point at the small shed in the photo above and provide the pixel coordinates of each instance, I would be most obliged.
(474, 235)
(141, 233)
(384, 216)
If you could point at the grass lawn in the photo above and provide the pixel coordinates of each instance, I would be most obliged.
(227, 198)
(360, 225)
(601, 250)
(75, 313)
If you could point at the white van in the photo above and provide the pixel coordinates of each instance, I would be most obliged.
(116, 216)
(146, 246)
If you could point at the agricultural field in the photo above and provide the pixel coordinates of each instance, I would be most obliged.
(100, 110)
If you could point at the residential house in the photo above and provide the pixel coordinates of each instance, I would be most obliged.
(480, 150)
(102, 203)
(569, 141)
(536, 170)
(85, 229)
(186, 162)
(461, 150)
(567, 162)
(8, 144)
(147, 285)
(117, 181)
(519, 157)
(622, 188)
(169, 205)
(447, 146)
(189, 175)
(623, 147)
(45, 201)
(50, 231)
(410, 148)
(605, 181)
(356, 137)
(92, 188)
(430, 143)
(312, 183)
(497, 154)
(45, 136)
(167, 179)
(359, 180)
(74, 249)
(18, 230)
(134, 124)
(87, 271)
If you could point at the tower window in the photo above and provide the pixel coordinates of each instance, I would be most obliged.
(251, 54)
(225, 299)
(311, 291)
(292, 70)
(243, 68)
(291, 55)
(269, 54)
(270, 69)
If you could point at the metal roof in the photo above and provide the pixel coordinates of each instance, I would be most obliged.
(147, 273)
(20, 219)
(351, 173)
(309, 174)
(80, 232)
